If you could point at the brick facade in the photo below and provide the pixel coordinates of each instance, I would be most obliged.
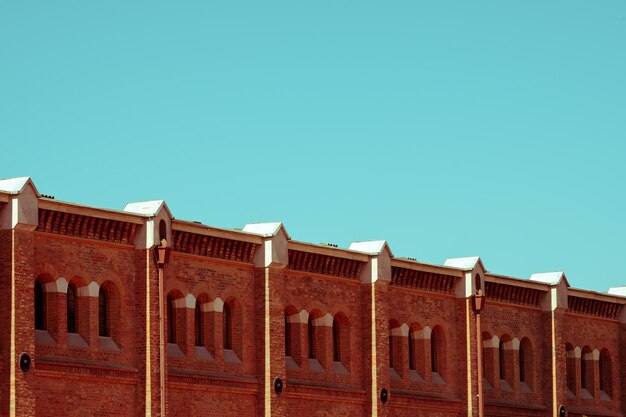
(209, 327)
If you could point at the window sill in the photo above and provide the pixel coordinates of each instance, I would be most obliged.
(438, 379)
(43, 337)
(504, 386)
(106, 343)
(585, 394)
(203, 354)
(414, 376)
(75, 340)
(393, 374)
(524, 388)
(231, 356)
(290, 363)
(315, 366)
(339, 369)
(174, 351)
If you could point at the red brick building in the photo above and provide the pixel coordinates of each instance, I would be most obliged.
(134, 313)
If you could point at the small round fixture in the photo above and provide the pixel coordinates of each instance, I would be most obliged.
(25, 362)
(278, 385)
(384, 395)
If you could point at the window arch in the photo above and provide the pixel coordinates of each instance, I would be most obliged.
(336, 342)
(489, 365)
(72, 308)
(587, 372)
(526, 363)
(411, 342)
(341, 339)
(292, 332)
(438, 351)
(103, 314)
(311, 339)
(171, 319)
(606, 373)
(40, 306)
(199, 325)
(395, 345)
(570, 367)
(505, 362)
(227, 326)
(501, 360)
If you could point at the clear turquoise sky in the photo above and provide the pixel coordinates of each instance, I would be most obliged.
(449, 129)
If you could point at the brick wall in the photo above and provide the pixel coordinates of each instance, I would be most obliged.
(414, 335)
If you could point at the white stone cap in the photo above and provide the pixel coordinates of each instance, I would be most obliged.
(16, 185)
(620, 291)
(551, 278)
(463, 263)
(265, 229)
(373, 247)
(149, 208)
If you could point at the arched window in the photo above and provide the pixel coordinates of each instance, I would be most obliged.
(606, 373)
(311, 338)
(438, 351)
(395, 345)
(287, 335)
(583, 372)
(411, 351)
(587, 372)
(199, 325)
(40, 306)
(171, 320)
(526, 364)
(103, 314)
(434, 354)
(227, 327)
(502, 360)
(72, 309)
(570, 370)
(336, 341)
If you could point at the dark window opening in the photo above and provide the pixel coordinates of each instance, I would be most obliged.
(411, 352)
(71, 308)
(171, 320)
(287, 337)
(199, 325)
(336, 342)
(103, 322)
(434, 354)
(228, 327)
(311, 337)
(40, 307)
